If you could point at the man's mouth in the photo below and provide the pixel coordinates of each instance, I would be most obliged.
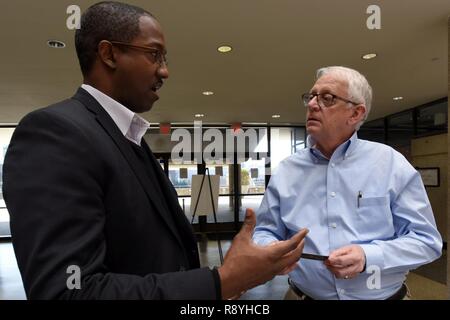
(157, 86)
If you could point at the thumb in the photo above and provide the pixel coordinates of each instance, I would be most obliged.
(249, 222)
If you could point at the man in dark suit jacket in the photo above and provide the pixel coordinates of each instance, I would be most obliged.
(84, 189)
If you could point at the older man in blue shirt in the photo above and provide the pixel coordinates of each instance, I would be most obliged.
(363, 202)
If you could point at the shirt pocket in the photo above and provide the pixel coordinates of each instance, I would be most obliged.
(374, 218)
(373, 201)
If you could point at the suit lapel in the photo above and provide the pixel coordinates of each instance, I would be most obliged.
(122, 143)
(172, 198)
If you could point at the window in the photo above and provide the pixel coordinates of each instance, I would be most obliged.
(181, 177)
(5, 137)
(372, 131)
(253, 176)
(285, 142)
(400, 129)
(432, 119)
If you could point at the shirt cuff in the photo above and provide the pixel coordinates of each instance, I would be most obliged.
(374, 256)
(217, 283)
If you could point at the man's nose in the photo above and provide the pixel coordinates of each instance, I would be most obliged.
(313, 104)
(163, 71)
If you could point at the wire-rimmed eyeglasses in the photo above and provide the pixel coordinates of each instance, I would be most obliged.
(324, 100)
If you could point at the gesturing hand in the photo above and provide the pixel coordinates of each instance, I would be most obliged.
(247, 265)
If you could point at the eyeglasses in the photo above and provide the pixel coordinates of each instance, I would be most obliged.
(324, 100)
(157, 55)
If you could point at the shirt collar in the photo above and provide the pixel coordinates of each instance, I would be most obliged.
(342, 152)
(132, 126)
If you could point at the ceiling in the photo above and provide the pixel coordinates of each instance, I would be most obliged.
(277, 46)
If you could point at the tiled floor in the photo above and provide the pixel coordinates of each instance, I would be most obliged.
(421, 287)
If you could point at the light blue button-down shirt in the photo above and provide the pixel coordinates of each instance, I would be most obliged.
(392, 220)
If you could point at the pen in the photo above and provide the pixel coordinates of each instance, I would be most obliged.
(314, 256)
(359, 197)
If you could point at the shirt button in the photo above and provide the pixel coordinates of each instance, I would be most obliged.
(333, 225)
(333, 194)
(333, 165)
(342, 291)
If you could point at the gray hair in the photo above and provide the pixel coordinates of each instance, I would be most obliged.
(359, 89)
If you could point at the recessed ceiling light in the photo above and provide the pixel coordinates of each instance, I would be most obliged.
(56, 44)
(207, 93)
(276, 116)
(369, 56)
(397, 98)
(224, 49)
(199, 115)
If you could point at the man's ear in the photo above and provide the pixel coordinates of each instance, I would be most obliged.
(106, 53)
(358, 114)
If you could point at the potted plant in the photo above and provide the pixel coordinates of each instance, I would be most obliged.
(245, 181)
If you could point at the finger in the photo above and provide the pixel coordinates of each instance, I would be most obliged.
(342, 273)
(288, 269)
(292, 257)
(339, 252)
(340, 258)
(344, 260)
(283, 247)
(249, 223)
(338, 262)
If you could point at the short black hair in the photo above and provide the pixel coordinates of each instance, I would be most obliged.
(107, 20)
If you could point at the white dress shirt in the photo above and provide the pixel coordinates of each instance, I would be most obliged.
(132, 126)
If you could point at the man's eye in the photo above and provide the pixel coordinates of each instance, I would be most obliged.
(327, 97)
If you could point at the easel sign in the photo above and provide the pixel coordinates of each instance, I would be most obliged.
(205, 197)
(205, 203)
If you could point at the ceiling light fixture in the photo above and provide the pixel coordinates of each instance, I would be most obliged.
(397, 98)
(224, 49)
(207, 93)
(56, 44)
(369, 56)
(199, 115)
(276, 116)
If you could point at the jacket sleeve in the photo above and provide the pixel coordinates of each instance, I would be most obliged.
(53, 185)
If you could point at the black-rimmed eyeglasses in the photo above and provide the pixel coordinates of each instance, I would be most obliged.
(324, 100)
(157, 56)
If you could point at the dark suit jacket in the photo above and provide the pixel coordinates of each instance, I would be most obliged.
(78, 195)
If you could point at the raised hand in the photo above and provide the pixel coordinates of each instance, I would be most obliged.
(247, 265)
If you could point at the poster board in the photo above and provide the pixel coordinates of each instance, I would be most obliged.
(205, 204)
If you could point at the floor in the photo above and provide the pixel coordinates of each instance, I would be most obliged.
(426, 283)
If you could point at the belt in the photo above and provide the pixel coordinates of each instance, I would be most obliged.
(399, 295)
